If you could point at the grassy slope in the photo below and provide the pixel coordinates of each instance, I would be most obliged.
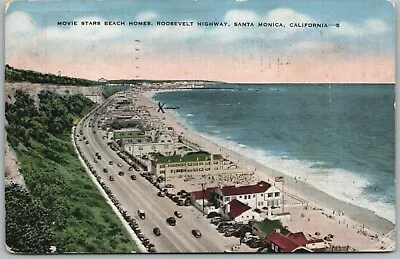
(91, 225)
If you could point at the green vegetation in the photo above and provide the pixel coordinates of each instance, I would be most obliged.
(63, 207)
(110, 90)
(27, 222)
(191, 157)
(268, 226)
(21, 75)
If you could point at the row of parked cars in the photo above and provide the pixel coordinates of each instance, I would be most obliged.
(130, 220)
(238, 230)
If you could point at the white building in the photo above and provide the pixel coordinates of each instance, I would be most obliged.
(193, 164)
(255, 196)
(239, 212)
(156, 142)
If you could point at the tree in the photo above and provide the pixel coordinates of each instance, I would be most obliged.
(28, 229)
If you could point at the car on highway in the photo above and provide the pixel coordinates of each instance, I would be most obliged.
(196, 233)
(111, 163)
(178, 214)
(156, 231)
(171, 221)
(111, 178)
(133, 177)
(141, 214)
(120, 173)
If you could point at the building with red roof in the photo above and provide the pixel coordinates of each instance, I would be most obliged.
(259, 195)
(238, 211)
(293, 242)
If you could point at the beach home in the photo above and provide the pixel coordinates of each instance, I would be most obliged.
(294, 242)
(192, 164)
(239, 212)
(255, 196)
(163, 144)
(278, 243)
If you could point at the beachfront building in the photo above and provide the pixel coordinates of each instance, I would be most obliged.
(239, 212)
(259, 195)
(294, 243)
(156, 142)
(193, 164)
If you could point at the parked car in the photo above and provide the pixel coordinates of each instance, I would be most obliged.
(171, 221)
(111, 178)
(156, 231)
(141, 214)
(187, 202)
(146, 242)
(178, 214)
(152, 248)
(196, 233)
(213, 214)
(133, 177)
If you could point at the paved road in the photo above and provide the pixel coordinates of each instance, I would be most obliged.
(140, 194)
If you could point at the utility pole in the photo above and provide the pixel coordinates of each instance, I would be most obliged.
(202, 188)
(283, 196)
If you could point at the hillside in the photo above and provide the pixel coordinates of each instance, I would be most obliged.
(59, 206)
(13, 75)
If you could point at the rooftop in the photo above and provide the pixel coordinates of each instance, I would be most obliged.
(128, 134)
(198, 195)
(268, 226)
(250, 189)
(283, 242)
(237, 208)
(190, 157)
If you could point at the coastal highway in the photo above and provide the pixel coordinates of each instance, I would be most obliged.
(140, 194)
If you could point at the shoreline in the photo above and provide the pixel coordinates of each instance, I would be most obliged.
(361, 220)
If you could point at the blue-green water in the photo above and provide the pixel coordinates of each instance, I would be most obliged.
(339, 138)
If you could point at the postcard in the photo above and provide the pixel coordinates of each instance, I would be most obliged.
(199, 126)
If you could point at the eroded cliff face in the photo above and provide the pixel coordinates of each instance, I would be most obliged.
(12, 172)
(11, 168)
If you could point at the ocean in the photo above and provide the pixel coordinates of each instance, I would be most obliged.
(340, 138)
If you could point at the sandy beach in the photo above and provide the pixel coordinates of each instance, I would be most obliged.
(312, 211)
